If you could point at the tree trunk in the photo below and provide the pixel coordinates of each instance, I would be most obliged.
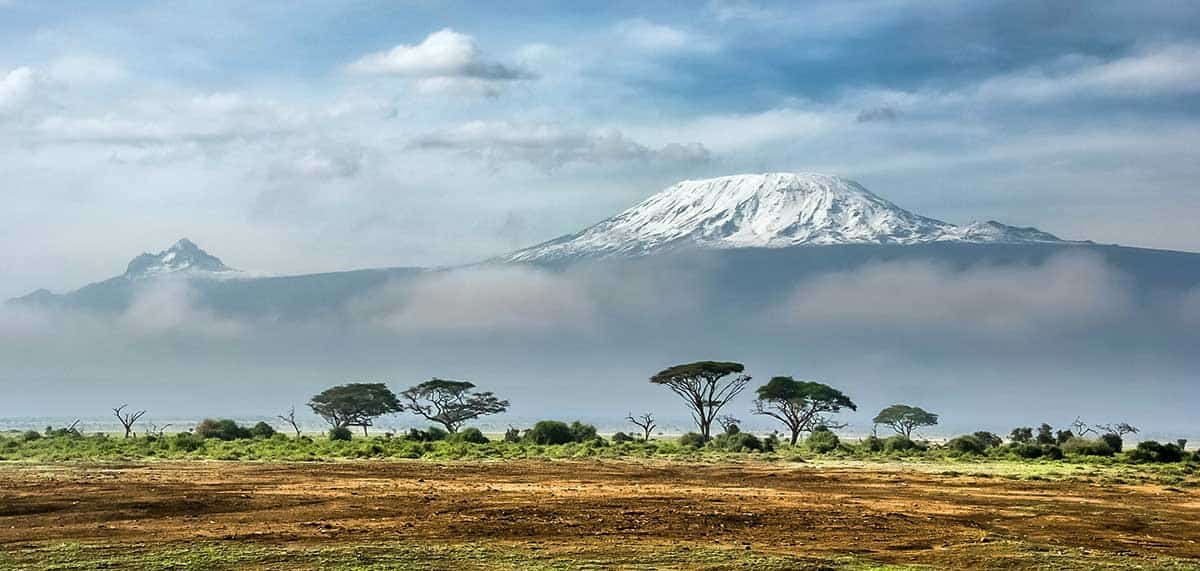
(795, 435)
(364, 430)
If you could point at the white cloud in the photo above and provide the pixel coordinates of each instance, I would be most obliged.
(85, 69)
(647, 35)
(1067, 291)
(168, 306)
(550, 145)
(1172, 69)
(488, 300)
(444, 61)
(16, 88)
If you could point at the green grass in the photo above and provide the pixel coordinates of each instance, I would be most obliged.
(397, 556)
(998, 463)
(219, 556)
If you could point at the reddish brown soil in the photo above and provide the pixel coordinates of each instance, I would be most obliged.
(890, 516)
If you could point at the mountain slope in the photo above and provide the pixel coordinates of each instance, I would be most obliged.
(771, 210)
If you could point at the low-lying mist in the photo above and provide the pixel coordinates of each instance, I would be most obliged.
(983, 344)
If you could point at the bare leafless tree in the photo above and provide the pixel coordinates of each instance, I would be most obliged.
(156, 430)
(127, 418)
(1081, 428)
(644, 422)
(1120, 428)
(291, 419)
(726, 421)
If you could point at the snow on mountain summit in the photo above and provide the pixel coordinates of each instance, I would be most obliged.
(770, 210)
(182, 257)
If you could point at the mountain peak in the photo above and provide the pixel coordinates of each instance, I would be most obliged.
(768, 210)
(183, 256)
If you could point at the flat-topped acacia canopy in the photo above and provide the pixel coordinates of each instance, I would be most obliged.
(701, 369)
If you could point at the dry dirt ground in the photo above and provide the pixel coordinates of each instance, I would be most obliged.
(549, 514)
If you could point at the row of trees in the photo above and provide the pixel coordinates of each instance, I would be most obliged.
(448, 403)
(706, 387)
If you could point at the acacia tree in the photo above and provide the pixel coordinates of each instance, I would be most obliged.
(644, 422)
(800, 405)
(450, 403)
(354, 404)
(903, 418)
(127, 419)
(705, 386)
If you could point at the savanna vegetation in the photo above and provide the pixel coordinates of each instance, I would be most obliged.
(805, 410)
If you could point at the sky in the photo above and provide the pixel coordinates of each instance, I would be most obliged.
(292, 137)
(312, 136)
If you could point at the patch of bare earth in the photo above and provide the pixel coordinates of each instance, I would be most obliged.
(888, 516)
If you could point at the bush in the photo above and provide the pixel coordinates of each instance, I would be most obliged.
(471, 435)
(900, 443)
(871, 443)
(223, 429)
(1087, 447)
(822, 441)
(431, 434)
(1114, 441)
(988, 439)
(771, 442)
(1027, 451)
(186, 442)
(737, 442)
(967, 444)
(550, 432)
(1052, 452)
(262, 430)
(340, 433)
(581, 432)
(622, 437)
(513, 434)
(31, 435)
(692, 439)
(1151, 451)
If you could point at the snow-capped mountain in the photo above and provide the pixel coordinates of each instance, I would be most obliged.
(183, 257)
(771, 210)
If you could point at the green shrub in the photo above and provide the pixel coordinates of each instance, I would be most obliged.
(1114, 441)
(581, 432)
(186, 442)
(1151, 451)
(822, 441)
(470, 435)
(622, 437)
(513, 434)
(431, 434)
(692, 440)
(1087, 447)
(340, 433)
(737, 441)
(1027, 451)
(967, 444)
(988, 439)
(771, 442)
(223, 429)
(871, 443)
(262, 430)
(900, 443)
(550, 432)
(1052, 452)
(30, 436)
